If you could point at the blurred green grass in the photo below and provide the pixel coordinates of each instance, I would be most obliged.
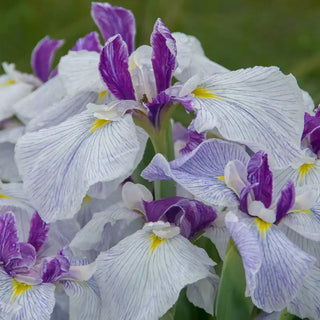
(234, 33)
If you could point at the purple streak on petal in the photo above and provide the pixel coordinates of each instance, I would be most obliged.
(25, 262)
(113, 20)
(194, 139)
(113, 68)
(163, 55)
(155, 107)
(42, 56)
(52, 270)
(38, 231)
(258, 172)
(186, 101)
(156, 209)
(190, 215)
(310, 124)
(315, 141)
(285, 202)
(9, 247)
(244, 197)
(89, 42)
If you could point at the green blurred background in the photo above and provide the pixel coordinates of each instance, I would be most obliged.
(233, 33)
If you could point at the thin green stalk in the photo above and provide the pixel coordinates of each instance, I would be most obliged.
(162, 141)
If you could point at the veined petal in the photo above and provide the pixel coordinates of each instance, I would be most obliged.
(137, 282)
(305, 244)
(85, 302)
(114, 68)
(62, 110)
(10, 95)
(242, 231)
(305, 223)
(67, 159)
(42, 56)
(306, 304)
(79, 71)
(113, 20)
(163, 55)
(201, 172)
(37, 101)
(91, 234)
(306, 175)
(89, 42)
(13, 199)
(37, 302)
(191, 60)
(6, 289)
(282, 272)
(308, 102)
(258, 107)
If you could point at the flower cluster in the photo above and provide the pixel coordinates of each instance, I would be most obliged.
(83, 232)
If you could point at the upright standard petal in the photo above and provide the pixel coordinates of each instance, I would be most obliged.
(89, 42)
(9, 248)
(259, 172)
(141, 277)
(38, 232)
(163, 55)
(60, 163)
(113, 20)
(42, 56)
(259, 107)
(114, 68)
(201, 172)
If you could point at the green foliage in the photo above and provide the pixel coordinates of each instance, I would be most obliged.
(231, 302)
(234, 33)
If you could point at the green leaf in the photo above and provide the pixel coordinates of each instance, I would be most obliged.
(231, 302)
(285, 315)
